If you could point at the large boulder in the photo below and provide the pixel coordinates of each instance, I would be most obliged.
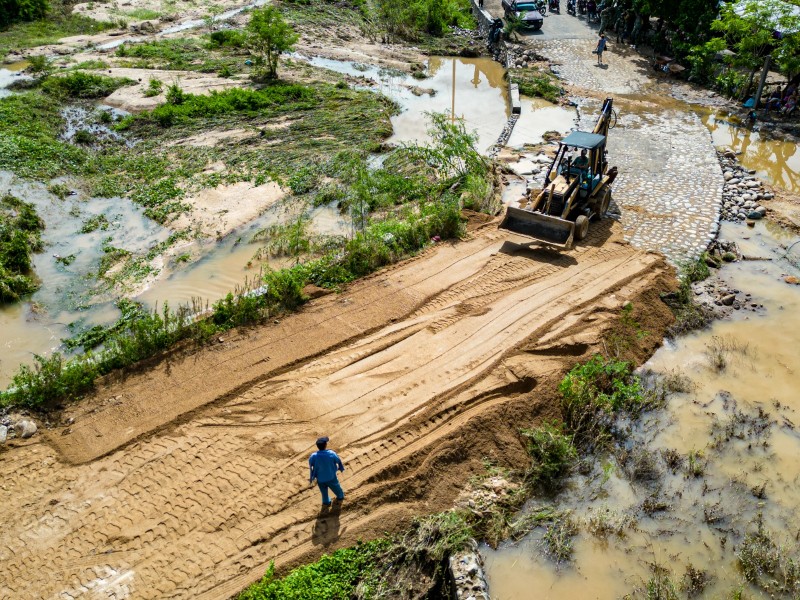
(24, 428)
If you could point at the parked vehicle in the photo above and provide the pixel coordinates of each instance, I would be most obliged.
(555, 6)
(571, 7)
(526, 11)
(581, 7)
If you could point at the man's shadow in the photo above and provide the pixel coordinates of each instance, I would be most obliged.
(326, 527)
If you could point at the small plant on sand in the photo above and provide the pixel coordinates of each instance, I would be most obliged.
(59, 190)
(154, 88)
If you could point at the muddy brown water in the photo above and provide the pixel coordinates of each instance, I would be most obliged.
(720, 420)
(474, 89)
(775, 161)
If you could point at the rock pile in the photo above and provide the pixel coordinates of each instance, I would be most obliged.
(16, 426)
(717, 295)
(466, 570)
(742, 193)
(522, 57)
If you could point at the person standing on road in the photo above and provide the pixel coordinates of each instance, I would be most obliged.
(601, 46)
(323, 465)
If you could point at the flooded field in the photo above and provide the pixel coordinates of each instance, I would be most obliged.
(473, 89)
(207, 270)
(703, 486)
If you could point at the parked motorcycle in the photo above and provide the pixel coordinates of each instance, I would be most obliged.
(555, 6)
(541, 6)
(581, 7)
(571, 7)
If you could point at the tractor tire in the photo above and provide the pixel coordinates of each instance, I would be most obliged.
(581, 227)
(602, 205)
(605, 204)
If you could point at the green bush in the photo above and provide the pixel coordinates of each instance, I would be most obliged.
(411, 19)
(593, 393)
(181, 106)
(534, 84)
(20, 236)
(12, 11)
(332, 577)
(227, 37)
(80, 84)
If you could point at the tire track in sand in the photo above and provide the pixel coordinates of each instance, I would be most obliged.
(200, 511)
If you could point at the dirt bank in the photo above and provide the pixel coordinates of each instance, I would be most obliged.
(187, 479)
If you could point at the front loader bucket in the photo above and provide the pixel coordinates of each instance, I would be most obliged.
(539, 227)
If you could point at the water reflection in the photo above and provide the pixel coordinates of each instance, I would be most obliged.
(474, 89)
(777, 161)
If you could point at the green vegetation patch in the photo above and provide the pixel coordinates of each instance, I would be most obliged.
(594, 393)
(58, 24)
(20, 236)
(552, 456)
(221, 49)
(30, 145)
(333, 577)
(688, 314)
(536, 84)
(79, 84)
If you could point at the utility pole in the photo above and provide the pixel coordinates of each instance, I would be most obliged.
(764, 73)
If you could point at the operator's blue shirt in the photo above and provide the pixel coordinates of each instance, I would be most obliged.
(324, 464)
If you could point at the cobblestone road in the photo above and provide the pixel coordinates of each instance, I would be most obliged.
(669, 189)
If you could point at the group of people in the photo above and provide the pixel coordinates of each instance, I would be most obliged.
(783, 100)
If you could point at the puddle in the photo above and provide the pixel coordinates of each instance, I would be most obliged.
(471, 88)
(78, 118)
(230, 264)
(776, 161)
(539, 116)
(11, 73)
(741, 419)
(37, 325)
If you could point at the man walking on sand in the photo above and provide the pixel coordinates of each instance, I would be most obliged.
(323, 464)
(601, 46)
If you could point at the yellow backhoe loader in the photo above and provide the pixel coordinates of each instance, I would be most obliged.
(577, 189)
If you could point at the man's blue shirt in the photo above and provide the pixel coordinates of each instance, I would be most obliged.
(324, 464)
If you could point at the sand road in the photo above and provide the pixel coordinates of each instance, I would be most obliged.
(185, 480)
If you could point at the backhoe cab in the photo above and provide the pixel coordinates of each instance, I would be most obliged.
(577, 188)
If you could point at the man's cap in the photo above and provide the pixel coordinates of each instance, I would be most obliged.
(322, 440)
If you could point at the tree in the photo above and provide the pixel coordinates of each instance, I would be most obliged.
(757, 29)
(269, 36)
(12, 11)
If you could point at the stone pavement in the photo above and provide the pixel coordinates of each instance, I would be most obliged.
(669, 189)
